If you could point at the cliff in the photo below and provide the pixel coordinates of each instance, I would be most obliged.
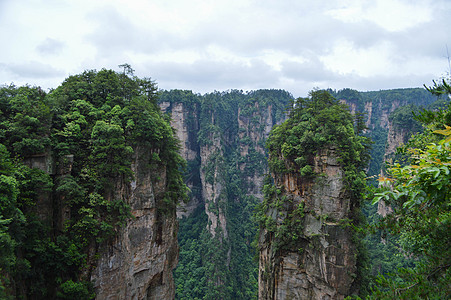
(308, 247)
(185, 121)
(378, 109)
(138, 262)
(320, 262)
(93, 192)
(223, 137)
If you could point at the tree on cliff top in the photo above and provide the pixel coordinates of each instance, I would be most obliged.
(315, 123)
(99, 120)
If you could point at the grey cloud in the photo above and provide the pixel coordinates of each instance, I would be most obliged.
(250, 32)
(302, 28)
(114, 32)
(50, 47)
(427, 40)
(33, 70)
(207, 75)
(282, 31)
(311, 70)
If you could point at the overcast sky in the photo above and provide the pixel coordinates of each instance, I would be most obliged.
(208, 45)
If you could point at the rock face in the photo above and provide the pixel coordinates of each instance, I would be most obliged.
(254, 129)
(138, 264)
(223, 139)
(396, 137)
(186, 124)
(320, 263)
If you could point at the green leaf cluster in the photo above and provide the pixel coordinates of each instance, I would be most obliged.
(316, 123)
(419, 194)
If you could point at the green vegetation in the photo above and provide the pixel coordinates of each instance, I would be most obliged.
(315, 124)
(419, 194)
(63, 154)
(380, 107)
(83, 137)
(217, 114)
(213, 267)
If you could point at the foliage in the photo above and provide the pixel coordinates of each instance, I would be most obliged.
(419, 193)
(210, 267)
(315, 124)
(74, 291)
(379, 105)
(25, 120)
(403, 118)
(83, 137)
(439, 88)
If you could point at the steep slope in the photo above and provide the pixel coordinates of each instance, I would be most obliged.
(227, 131)
(223, 137)
(320, 260)
(94, 190)
(307, 247)
(376, 107)
(138, 263)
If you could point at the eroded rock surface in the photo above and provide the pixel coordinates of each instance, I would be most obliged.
(321, 262)
(138, 264)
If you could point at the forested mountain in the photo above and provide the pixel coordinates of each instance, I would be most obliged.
(381, 107)
(223, 139)
(310, 245)
(92, 177)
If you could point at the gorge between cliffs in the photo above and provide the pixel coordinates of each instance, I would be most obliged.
(116, 190)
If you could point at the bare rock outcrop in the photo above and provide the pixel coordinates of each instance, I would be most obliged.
(318, 260)
(185, 122)
(138, 264)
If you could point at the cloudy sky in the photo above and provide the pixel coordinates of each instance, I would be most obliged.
(207, 45)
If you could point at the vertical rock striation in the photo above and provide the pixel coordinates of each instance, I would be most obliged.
(308, 248)
(185, 121)
(321, 262)
(138, 264)
(223, 136)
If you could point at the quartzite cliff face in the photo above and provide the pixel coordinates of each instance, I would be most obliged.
(321, 264)
(207, 158)
(138, 263)
(308, 246)
(223, 140)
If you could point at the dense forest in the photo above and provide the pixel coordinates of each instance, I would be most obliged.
(62, 155)
(65, 154)
(389, 107)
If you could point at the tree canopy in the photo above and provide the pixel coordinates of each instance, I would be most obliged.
(420, 196)
(84, 135)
